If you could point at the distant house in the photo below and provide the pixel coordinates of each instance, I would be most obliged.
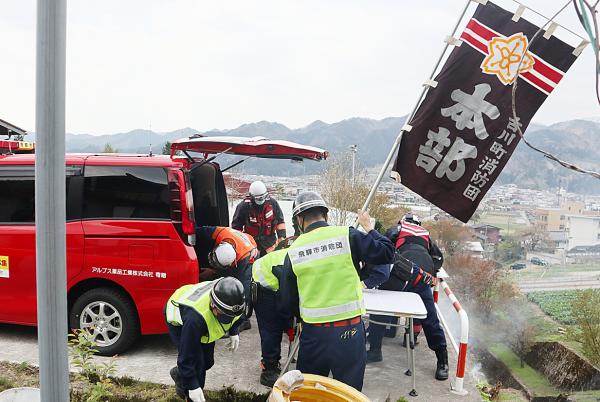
(558, 239)
(584, 253)
(489, 234)
(474, 248)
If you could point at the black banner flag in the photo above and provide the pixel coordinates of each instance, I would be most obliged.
(463, 133)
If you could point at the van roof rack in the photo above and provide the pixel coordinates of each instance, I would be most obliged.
(14, 146)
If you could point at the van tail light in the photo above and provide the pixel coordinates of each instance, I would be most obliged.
(182, 203)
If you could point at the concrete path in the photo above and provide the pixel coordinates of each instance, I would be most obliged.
(152, 358)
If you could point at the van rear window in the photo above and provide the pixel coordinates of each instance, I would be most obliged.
(126, 192)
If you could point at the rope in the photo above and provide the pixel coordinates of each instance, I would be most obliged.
(514, 91)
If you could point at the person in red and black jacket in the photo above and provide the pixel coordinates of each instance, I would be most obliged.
(414, 244)
(260, 216)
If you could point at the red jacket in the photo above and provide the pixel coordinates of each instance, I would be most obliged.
(263, 222)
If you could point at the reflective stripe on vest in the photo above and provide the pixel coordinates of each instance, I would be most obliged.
(262, 269)
(197, 297)
(328, 285)
(243, 243)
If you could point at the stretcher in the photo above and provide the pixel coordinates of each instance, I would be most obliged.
(389, 303)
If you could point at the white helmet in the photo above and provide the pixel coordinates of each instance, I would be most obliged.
(223, 256)
(258, 192)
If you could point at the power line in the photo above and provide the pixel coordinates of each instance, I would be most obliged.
(549, 155)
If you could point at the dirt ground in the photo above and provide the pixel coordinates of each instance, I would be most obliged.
(153, 356)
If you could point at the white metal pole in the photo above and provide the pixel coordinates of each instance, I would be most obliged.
(399, 138)
(50, 210)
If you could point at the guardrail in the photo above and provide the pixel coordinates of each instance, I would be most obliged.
(461, 348)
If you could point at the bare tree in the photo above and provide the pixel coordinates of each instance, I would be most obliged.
(345, 197)
(339, 191)
(524, 338)
(534, 237)
(450, 235)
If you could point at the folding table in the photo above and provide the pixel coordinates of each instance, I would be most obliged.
(389, 303)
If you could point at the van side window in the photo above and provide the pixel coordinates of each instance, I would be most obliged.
(126, 192)
(17, 203)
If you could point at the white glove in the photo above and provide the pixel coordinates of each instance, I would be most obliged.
(196, 395)
(234, 342)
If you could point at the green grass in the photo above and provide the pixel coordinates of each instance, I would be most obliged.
(585, 396)
(534, 381)
(511, 395)
(536, 272)
(124, 389)
(506, 222)
(5, 384)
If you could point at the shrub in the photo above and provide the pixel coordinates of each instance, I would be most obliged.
(586, 313)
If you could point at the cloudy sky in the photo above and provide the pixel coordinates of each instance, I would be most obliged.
(168, 64)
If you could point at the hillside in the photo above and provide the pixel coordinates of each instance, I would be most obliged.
(575, 140)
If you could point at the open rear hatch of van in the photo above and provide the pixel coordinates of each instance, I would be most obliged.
(259, 147)
(208, 193)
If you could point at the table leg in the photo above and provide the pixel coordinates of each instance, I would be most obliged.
(408, 372)
(412, 357)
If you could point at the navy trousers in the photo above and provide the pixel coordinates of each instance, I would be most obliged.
(244, 275)
(271, 325)
(339, 350)
(431, 325)
(205, 362)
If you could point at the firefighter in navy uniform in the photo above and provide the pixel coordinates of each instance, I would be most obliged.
(260, 216)
(197, 316)
(413, 244)
(230, 253)
(266, 300)
(320, 284)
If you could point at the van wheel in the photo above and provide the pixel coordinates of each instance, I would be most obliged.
(109, 316)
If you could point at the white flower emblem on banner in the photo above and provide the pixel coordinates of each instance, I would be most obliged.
(504, 57)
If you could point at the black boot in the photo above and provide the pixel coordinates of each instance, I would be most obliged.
(245, 325)
(441, 372)
(178, 389)
(374, 356)
(270, 372)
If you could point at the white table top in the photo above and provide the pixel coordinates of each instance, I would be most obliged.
(397, 304)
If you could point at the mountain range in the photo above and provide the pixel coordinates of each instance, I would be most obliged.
(576, 141)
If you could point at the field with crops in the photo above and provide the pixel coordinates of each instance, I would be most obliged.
(556, 304)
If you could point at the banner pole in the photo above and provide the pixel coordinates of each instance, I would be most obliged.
(414, 110)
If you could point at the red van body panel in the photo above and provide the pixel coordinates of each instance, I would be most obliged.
(147, 258)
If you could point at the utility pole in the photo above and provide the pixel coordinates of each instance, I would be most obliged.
(50, 194)
(354, 150)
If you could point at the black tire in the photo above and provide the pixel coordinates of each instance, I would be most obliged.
(110, 301)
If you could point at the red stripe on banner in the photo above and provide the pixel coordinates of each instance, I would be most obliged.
(481, 30)
(457, 306)
(447, 291)
(435, 296)
(543, 68)
(462, 360)
(535, 80)
(474, 42)
(540, 65)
